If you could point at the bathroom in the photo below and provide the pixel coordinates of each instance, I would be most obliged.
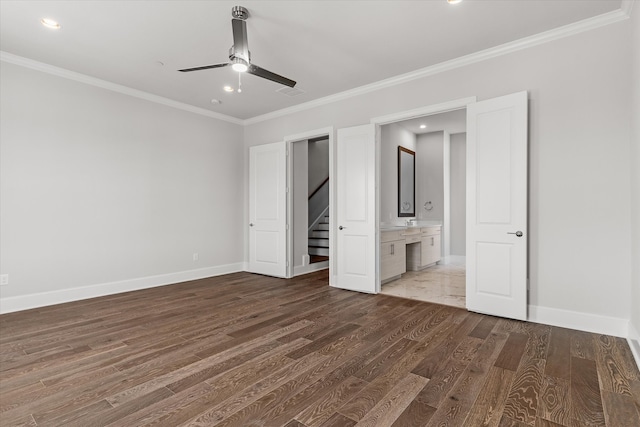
(423, 208)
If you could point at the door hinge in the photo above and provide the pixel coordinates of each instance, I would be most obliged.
(287, 263)
(287, 226)
(287, 190)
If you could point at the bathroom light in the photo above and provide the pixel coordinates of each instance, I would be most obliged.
(228, 89)
(50, 23)
(239, 65)
(453, 1)
(423, 126)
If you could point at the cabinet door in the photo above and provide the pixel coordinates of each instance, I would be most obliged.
(430, 252)
(392, 259)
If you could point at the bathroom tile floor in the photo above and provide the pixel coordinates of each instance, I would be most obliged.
(441, 284)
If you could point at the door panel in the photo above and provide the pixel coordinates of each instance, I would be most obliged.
(267, 209)
(497, 206)
(356, 214)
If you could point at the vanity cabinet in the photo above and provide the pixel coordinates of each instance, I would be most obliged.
(423, 247)
(393, 260)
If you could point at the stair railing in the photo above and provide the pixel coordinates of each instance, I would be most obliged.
(318, 203)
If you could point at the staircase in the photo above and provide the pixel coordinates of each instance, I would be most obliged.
(319, 238)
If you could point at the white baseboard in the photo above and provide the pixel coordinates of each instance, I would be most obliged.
(633, 339)
(26, 302)
(614, 326)
(454, 259)
(310, 268)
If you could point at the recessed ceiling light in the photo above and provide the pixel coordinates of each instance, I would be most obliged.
(50, 23)
(423, 126)
(453, 1)
(228, 89)
(216, 101)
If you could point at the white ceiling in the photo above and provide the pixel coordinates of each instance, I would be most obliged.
(326, 46)
(452, 121)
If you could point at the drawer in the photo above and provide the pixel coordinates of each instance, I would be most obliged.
(390, 236)
(430, 231)
(412, 238)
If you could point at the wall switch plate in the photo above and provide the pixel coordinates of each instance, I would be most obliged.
(4, 279)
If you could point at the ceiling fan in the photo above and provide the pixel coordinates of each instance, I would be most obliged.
(239, 55)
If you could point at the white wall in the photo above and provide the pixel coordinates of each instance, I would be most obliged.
(579, 91)
(300, 175)
(391, 137)
(99, 188)
(458, 193)
(318, 163)
(635, 180)
(430, 175)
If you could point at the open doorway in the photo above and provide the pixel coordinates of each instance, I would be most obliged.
(429, 249)
(309, 204)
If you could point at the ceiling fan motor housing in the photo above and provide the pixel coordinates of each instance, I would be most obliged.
(233, 55)
(239, 12)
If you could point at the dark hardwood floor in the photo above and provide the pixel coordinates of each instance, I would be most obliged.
(247, 350)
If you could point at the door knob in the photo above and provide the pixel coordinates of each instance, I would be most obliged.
(250, 224)
(517, 233)
(341, 228)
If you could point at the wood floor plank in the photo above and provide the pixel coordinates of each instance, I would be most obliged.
(554, 403)
(391, 407)
(512, 352)
(620, 410)
(586, 402)
(454, 409)
(523, 400)
(559, 354)
(338, 420)
(322, 409)
(249, 350)
(612, 372)
(489, 405)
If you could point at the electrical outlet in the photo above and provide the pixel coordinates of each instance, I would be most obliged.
(195, 256)
(4, 279)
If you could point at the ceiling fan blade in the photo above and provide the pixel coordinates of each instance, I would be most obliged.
(240, 43)
(204, 67)
(265, 74)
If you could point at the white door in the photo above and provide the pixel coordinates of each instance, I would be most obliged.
(268, 209)
(356, 209)
(497, 206)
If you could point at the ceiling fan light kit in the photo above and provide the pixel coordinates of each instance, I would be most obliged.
(239, 55)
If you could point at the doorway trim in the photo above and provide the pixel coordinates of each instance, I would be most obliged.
(444, 107)
(289, 140)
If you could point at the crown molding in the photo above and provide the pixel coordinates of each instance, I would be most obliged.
(503, 49)
(627, 6)
(92, 81)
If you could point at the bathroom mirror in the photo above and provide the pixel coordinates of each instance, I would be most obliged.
(406, 182)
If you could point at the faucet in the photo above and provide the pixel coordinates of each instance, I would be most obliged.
(410, 222)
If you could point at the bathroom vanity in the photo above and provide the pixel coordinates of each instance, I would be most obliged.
(408, 248)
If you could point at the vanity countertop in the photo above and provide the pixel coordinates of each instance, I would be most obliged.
(418, 224)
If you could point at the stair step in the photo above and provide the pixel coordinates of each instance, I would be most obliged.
(322, 226)
(319, 241)
(319, 233)
(314, 250)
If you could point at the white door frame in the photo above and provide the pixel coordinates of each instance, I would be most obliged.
(289, 140)
(444, 107)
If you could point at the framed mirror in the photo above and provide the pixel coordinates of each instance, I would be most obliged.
(406, 182)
